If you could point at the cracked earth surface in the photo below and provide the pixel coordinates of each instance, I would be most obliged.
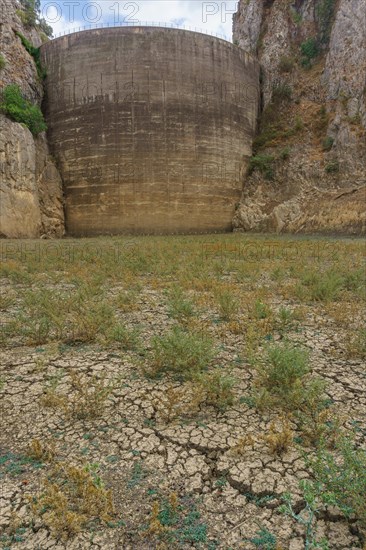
(143, 456)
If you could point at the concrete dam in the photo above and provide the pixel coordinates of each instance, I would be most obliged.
(150, 127)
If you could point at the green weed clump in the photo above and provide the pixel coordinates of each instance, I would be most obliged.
(217, 389)
(309, 50)
(328, 143)
(35, 53)
(228, 304)
(284, 382)
(332, 167)
(177, 523)
(340, 477)
(19, 109)
(2, 61)
(321, 287)
(179, 306)
(180, 353)
(262, 164)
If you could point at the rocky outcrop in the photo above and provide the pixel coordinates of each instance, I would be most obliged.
(31, 200)
(309, 168)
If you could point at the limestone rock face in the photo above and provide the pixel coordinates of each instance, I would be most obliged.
(31, 198)
(311, 137)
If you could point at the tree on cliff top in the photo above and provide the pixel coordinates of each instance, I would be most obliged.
(30, 16)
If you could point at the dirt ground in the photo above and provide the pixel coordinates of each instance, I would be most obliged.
(160, 459)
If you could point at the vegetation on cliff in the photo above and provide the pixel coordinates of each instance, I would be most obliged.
(31, 18)
(19, 109)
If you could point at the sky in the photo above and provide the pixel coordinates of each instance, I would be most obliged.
(208, 16)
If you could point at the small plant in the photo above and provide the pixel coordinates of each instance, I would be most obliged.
(264, 540)
(283, 380)
(179, 306)
(323, 287)
(218, 389)
(308, 516)
(177, 522)
(332, 167)
(128, 339)
(19, 109)
(41, 451)
(285, 153)
(356, 345)
(88, 397)
(181, 353)
(2, 61)
(71, 499)
(281, 92)
(228, 304)
(340, 477)
(309, 51)
(286, 64)
(263, 164)
(35, 53)
(261, 310)
(279, 439)
(328, 143)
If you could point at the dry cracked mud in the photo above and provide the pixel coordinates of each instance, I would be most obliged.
(217, 464)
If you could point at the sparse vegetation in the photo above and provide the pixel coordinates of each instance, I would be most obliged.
(263, 164)
(186, 368)
(332, 167)
(72, 497)
(2, 62)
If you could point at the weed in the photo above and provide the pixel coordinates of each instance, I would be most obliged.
(241, 447)
(264, 165)
(341, 477)
(309, 51)
(261, 310)
(308, 516)
(286, 64)
(264, 540)
(179, 307)
(41, 451)
(128, 339)
(356, 344)
(228, 304)
(281, 92)
(332, 167)
(218, 389)
(280, 439)
(283, 380)
(137, 474)
(181, 353)
(323, 287)
(72, 497)
(126, 301)
(88, 397)
(15, 465)
(2, 62)
(284, 154)
(328, 143)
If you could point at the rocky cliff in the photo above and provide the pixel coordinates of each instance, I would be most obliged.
(308, 170)
(31, 203)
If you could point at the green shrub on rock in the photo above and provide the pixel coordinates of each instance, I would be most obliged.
(19, 109)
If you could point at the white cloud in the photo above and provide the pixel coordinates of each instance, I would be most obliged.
(208, 16)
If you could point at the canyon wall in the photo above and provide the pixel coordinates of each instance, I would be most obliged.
(308, 171)
(31, 198)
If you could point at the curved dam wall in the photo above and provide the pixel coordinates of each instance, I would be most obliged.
(150, 128)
